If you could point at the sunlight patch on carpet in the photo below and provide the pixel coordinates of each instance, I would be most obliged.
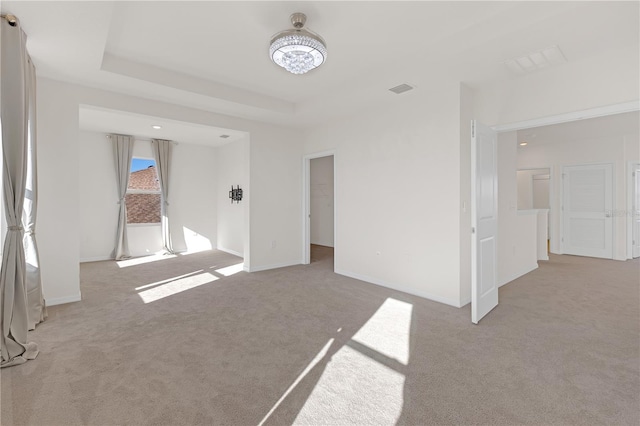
(354, 389)
(387, 331)
(319, 356)
(145, 259)
(176, 286)
(168, 280)
(230, 270)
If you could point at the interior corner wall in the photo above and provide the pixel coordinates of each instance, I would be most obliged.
(466, 115)
(321, 201)
(397, 169)
(58, 189)
(231, 171)
(517, 243)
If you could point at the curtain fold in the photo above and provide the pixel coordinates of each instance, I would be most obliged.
(14, 110)
(36, 308)
(123, 147)
(162, 153)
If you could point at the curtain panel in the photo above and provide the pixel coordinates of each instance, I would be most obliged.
(162, 153)
(36, 308)
(123, 148)
(14, 110)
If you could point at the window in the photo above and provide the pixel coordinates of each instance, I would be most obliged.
(143, 193)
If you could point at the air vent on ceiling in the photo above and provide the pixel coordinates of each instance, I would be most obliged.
(536, 60)
(224, 136)
(401, 89)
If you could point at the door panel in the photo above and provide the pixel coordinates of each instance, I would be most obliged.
(484, 220)
(587, 214)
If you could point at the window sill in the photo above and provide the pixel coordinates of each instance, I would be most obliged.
(143, 224)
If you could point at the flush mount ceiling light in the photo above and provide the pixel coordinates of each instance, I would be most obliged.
(155, 126)
(523, 144)
(298, 50)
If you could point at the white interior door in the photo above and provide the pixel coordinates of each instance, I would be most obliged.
(484, 220)
(636, 211)
(587, 222)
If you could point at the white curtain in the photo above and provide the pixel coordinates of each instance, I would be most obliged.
(36, 309)
(123, 146)
(162, 154)
(14, 111)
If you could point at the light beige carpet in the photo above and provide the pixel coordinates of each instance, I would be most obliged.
(303, 345)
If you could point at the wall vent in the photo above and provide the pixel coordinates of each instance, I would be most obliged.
(401, 89)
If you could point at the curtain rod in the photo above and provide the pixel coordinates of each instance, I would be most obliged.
(11, 19)
(145, 140)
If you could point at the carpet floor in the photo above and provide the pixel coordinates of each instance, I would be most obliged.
(193, 340)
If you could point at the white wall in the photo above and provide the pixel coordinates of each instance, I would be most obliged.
(517, 236)
(398, 192)
(58, 229)
(275, 154)
(276, 200)
(193, 198)
(617, 149)
(321, 201)
(232, 170)
(541, 191)
(533, 192)
(98, 197)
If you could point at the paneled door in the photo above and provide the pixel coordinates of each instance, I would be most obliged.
(484, 220)
(587, 217)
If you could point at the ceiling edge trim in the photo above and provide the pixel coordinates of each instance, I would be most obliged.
(570, 116)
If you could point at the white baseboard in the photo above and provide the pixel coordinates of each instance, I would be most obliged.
(95, 259)
(465, 302)
(518, 275)
(274, 266)
(62, 300)
(424, 295)
(233, 252)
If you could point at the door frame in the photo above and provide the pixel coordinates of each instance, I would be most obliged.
(306, 203)
(613, 203)
(631, 182)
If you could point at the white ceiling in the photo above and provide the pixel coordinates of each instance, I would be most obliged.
(109, 121)
(213, 55)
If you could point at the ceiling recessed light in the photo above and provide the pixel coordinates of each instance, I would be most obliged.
(155, 126)
(523, 144)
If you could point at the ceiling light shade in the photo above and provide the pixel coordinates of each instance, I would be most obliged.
(298, 50)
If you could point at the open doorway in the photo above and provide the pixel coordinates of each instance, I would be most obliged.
(588, 161)
(534, 193)
(319, 212)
